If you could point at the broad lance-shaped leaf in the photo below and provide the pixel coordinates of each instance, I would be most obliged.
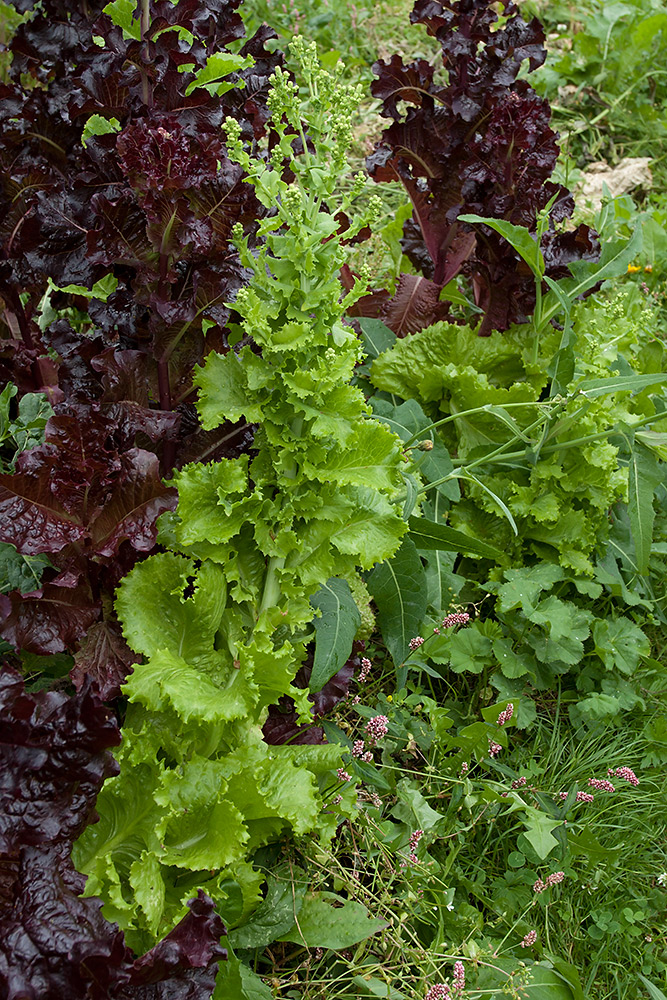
(519, 238)
(408, 420)
(375, 336)
(595, 387)
(334, 629)
(322, 925)
(398, 587)
(275, 916)
(428, 535)
(645, 475)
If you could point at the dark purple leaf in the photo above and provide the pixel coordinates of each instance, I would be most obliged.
(105, 658)
(480, 144)
(54, 944)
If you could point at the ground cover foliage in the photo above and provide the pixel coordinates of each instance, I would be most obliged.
(334, 511)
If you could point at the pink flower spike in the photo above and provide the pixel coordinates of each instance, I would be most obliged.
(343, 775)
(367, 757)
(494, 748)
(416, 642)
(365, 669)
(555, 878)
(627, 774)
(601, 785)
(415, 838)
(506, 714)
(358, 748)
(585, 797)
(530, 938)
(456, 618)
(377, 728)
(440, 991)
(459, 980)
(552, 879)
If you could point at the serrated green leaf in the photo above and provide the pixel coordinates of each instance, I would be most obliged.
(98, 125)
(151, 602)
(398, 587)
(218, 65)
(149, 888)
(223, 390)
(370, 459)
(204, 830)
(334, 629)
(167, 681)
(322, 924)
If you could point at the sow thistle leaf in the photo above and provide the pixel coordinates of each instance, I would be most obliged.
(375, 336)
(539, 832)
(335, 630)
(19, 572)
(408, 421)
(326, 920)
(235, 981)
